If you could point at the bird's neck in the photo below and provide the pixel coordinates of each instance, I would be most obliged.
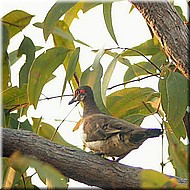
(90, 107)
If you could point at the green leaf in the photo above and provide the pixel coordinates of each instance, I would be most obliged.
(72, 13)
(174, 97)
(128, 103)
(26, 47)
(15, 124)
(178, 153)
(63, 36)
(26, 183)
(135, 118)
(71, 67)
(138, 69)
(77, 74)
(131, 9)
(180, 12)
(180, 130)
(5, 38)
(145, 68)
(153, 179)
(15, 98)
(13, 56)
(177, 97)
(36, 124)
(89, 5)
(48, 174)
(12, 171)
(16, 21)
(6, 80)
(41, 70)
(107, 77)
(107, 8)
(120, 58)
(146, 48)
(58, 9)
(66, 39)
(92, 77)
(13, 121)
(47, 131)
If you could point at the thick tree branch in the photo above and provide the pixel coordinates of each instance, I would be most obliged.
(170, 30)
(94, 170)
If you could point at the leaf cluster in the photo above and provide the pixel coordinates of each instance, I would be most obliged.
(132, 104)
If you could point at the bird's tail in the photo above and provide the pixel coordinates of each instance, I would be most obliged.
(141, 135)
(150, 133)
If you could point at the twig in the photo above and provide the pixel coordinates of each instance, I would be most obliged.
(143, 56)
(49, 98)
(53, 136)
(125, 48)
(156, 74)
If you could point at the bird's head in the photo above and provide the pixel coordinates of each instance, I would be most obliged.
(81, 93)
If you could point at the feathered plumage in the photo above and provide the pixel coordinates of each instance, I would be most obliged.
(105, 134)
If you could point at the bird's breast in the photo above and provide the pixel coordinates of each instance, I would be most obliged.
(113, 146)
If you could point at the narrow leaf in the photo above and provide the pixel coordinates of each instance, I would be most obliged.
(72, 13)
(26, 47)
(107, 77)
(58, 9)
(146, 48)
(92, 77)
(89, 5)
(41, 71)
(107, 8)
(71, 67)
(6, 79)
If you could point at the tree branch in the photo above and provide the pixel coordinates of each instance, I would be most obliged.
(170, 30)
(94, 170)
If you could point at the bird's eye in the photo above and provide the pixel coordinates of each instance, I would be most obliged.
(82, 91)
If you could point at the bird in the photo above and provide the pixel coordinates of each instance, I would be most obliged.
(106, 135)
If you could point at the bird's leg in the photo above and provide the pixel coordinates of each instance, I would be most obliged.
(121, 157)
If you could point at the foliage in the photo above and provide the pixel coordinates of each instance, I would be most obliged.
(130, 103)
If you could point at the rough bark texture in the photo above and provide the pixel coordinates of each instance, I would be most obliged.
(69, 162)
(94, 170)
(170, 30)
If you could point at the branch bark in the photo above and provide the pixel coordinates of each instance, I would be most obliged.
(94, 170)
(170, 30)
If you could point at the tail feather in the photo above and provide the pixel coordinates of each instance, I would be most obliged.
(150, 133)
(138, 136)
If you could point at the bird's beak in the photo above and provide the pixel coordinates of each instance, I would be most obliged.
(75, 99)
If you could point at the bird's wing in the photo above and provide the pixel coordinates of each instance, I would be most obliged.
(102, 126)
